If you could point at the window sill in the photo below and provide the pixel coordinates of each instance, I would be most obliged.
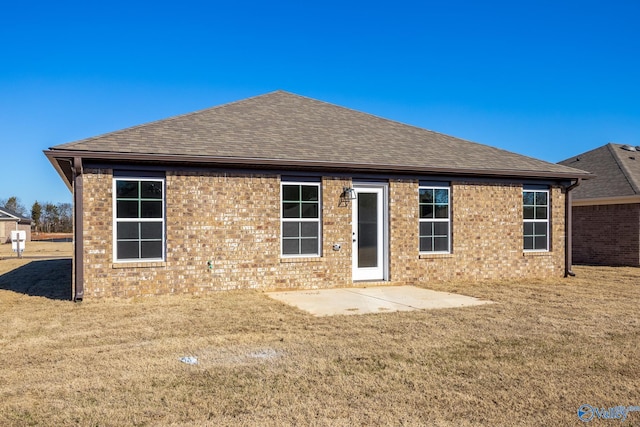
(301, 259)
(140, 264)
(435, 256)
(537, 253)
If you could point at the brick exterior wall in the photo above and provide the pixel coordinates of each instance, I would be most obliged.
(607, 234)
(234, 221)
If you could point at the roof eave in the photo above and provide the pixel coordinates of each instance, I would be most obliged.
(56, 155)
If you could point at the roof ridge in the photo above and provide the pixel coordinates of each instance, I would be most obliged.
(625, 171)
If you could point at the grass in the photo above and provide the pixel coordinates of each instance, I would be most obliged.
(544, 349)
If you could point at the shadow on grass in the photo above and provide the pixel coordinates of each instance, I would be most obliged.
(47, 278)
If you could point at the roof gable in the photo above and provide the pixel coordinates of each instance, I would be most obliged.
(617, 172)
(9, 214)
(283, 128)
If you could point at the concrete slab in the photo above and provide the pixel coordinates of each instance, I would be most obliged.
(379, 299)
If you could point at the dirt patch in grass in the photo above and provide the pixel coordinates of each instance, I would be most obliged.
(544, 349)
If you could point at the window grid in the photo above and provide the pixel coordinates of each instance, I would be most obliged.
(300, 219)
(435, 219)
(535, 204)
(139, 219)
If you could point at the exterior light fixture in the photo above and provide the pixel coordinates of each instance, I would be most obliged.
(348, 193)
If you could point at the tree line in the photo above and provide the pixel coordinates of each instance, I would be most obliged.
(47, 217)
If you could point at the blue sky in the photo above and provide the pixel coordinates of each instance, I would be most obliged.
(547, 79)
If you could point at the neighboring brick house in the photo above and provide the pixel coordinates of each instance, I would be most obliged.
(11, 220)
(606, 209)
(282, 191)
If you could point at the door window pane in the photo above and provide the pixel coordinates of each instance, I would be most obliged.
(367, 230)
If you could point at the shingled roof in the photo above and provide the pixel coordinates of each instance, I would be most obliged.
(7, 214)
(280, 129)
(617, 170)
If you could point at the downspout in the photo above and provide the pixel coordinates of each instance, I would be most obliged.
(78, 243)
(568, 239)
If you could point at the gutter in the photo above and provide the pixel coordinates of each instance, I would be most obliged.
(568, 233)
(78, 231)
(264, 163)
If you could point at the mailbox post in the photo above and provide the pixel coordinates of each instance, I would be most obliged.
(18, 240)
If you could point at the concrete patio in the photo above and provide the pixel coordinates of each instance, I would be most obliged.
(379, 299)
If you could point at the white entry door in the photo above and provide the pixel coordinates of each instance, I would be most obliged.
(370, 232)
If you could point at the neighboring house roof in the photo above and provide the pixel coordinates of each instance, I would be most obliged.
(284, 130)
(7, 214)
(617, 171)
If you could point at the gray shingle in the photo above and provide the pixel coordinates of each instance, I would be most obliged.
(617, 172)
(285, 127)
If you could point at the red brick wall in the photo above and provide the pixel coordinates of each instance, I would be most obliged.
(606, 234)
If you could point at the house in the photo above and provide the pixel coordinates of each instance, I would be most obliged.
(11, 220)
(606, 209)
(282, 191)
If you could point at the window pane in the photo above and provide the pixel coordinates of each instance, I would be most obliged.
(442, 211)
(128, 250)
(426, 211)
(541, 213)
(151, 249)
(291, 210)
(290, 246)
(127, 230)
(528, 242)
(126, 189)
(541, 198)
(541, 242)
(151, 209)
(127, 209)
(309, 229)
(540, 228)
(426, 244)
(290, 229)
(426, 195)
(528, 212)
(426, 229)
(309, 246)
(442, 196)
(309, 193)
(151, 230)
(527, 198)
(441, 229)
(440, 244)
(309, 210)
(528, 228)
(291, 193)
(151, 189)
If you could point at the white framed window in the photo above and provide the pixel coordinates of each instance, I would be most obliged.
(300, 219)
(138, 219)
(535, 206)
(435, 218)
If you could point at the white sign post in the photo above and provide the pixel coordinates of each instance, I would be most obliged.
(18, 239)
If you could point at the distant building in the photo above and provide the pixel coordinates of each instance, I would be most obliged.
(10, 220)
(606, 209)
